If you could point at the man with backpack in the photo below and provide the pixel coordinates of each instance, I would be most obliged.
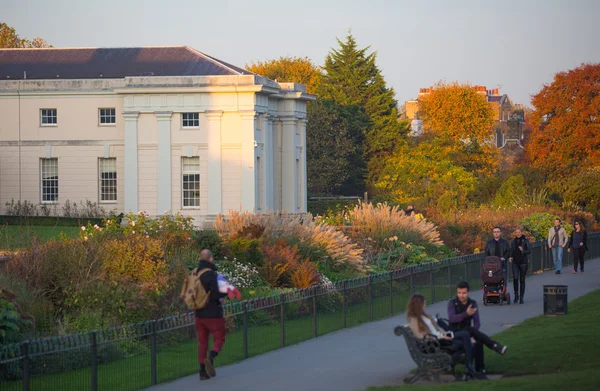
(201, 293)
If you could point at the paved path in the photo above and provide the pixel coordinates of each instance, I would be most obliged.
(370, 354)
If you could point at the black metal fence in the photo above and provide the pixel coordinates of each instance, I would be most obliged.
(138, 356)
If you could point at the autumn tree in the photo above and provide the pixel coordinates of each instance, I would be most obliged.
(289, 70)
(352, 78)
(10, 39)
(565, 136)
(424, 170)
(462, 120)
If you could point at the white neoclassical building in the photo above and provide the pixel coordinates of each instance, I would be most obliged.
(155, 129)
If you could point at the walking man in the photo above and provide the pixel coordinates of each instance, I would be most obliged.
(209, 319)
(498, 247)
(463, 315)
(557, 241)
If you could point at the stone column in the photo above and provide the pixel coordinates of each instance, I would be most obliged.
(248, 159)
(303, 183)
(276, 160)
(130, 191)
(214, 180)
(289, 180)
(268, 164)
(165, 183)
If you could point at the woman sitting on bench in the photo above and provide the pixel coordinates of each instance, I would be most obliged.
(423, 325)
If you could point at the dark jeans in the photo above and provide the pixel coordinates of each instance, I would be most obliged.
(578, 255)
(478, 356)
(519, 273)
(463, 339)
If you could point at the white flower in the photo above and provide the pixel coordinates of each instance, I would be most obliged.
(82, 228)
(85, 238)
(96, 226)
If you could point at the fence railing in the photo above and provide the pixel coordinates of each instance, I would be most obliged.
(137, 356)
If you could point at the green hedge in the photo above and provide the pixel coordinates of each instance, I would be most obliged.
(320, 207)
(48, 221)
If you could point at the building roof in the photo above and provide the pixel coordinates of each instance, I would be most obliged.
(110, 63)
(495, 98)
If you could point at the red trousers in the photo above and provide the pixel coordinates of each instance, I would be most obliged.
(204, 327)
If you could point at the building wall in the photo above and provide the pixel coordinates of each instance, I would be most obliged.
(78, 141)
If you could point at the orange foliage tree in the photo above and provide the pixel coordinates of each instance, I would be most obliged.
(566, 122)
(462, 118)
(289, 70)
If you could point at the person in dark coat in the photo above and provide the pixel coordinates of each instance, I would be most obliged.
(498, 247)
(209, 320)
(578, 243)
(519, 249)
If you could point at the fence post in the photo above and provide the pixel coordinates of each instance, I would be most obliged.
(466, 278)
(344, 304)
(449, 282)
(282, 296)
(94, 358)
(314, 302)
(432, 286)
(26, 365)
(412, 282)
(245, 326)
(153, 354)
(391, 293)
(370, 290)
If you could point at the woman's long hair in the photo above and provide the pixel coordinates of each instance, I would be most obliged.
(416, 309)
(581, 226)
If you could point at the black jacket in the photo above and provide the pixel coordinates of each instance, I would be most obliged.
(570, 245)
(490, 248)
(213, 308)
(526, 249)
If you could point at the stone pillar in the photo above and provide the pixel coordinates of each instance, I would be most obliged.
(248, 159)
(130, 179)
(303, 183)
(289, 180)
(268, 164)
(214, 180)
(165, 183)
(276, 169)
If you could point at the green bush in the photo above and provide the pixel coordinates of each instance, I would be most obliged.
(513, 188)
(246, 251)
(322, 207)
(538, 224)
(210, 239)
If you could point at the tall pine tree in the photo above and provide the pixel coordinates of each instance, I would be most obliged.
(352, 78)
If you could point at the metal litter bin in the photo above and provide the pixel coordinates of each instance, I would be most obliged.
(555, 300)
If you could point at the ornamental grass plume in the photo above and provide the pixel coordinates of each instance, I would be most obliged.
(380, 222)
(293, 227)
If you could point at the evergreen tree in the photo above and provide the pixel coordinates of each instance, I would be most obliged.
(352, 78)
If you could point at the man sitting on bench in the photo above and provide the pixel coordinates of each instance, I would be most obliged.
(463, 315)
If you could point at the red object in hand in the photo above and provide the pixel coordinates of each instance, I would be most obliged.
(234, 294)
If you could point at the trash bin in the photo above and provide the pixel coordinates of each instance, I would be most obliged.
(555, 300)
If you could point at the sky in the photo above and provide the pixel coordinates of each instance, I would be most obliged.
(516, 46)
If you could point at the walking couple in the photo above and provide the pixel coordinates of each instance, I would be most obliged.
(577, 243)
(514, 253)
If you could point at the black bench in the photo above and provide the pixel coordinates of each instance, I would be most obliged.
(430, 357)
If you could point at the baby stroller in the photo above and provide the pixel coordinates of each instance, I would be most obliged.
(494, 282)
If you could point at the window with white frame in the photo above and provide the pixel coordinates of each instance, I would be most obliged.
(49, 180)
(107, 116)
(190, 182)
(190, 120)
(108, 179)
(48, 117)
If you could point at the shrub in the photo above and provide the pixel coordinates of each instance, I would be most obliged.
(245, 250)
(512, 188)
(538, 224)
(11, 320)
(210, 239)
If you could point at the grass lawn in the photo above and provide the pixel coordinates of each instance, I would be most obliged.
(13, 237)
(545, 353)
